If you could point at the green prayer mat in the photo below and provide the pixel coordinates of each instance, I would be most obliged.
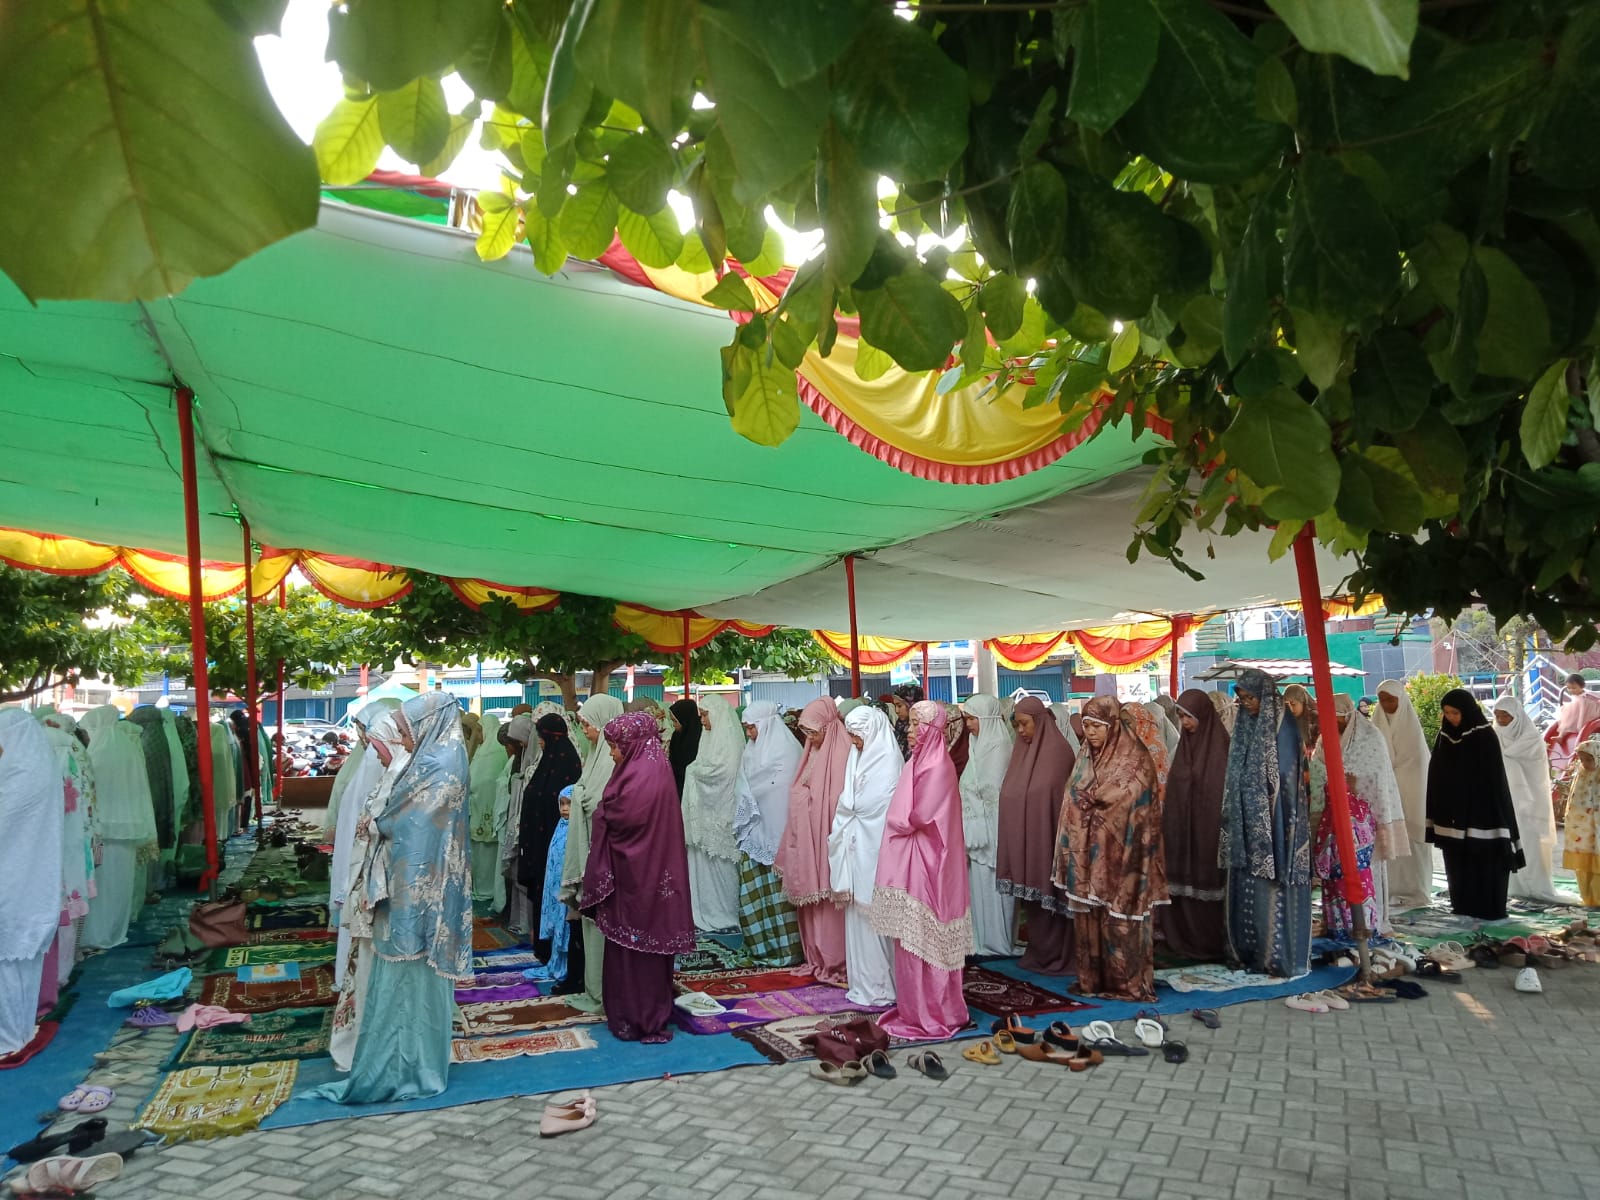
(225, 958)
(266, 1037)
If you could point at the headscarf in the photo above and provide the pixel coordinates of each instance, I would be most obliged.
(685, 743)
(1265, 820)
(31, 816)
(765, 774)
(1063, 718)
(802, 859)
(711, 784)
(1582, 801)
(1469, 800)
(353, 773)
(923, 899)
(955, 737)
(483, 782)
(636, 881)
(125, 811)
(1145, 724)
(472, 733)
(1109, 839)
(980, 782)
(412, 892)
(1366, 760)
(1528, 772)
(558, 767)
(160, 765)
(597, 711)
(1030, 809)
(1306, 722)
(870, 775)
(1576, 715)
(1408, 754)
(1225, 709)
(1191, 819)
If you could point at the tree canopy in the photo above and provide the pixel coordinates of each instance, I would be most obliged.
(1345, 255)
(59, 629)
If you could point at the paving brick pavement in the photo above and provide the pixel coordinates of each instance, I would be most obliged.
(1476, 1092)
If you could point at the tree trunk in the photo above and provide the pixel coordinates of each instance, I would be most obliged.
(600, 679)
(569, 690)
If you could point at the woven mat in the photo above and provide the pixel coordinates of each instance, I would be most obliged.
(207, 1102)
(1000, 994)
(225, 958)
(487, 935)
(520, 1016)
(284, 937)
(745, 1011)
(287, 916)
(711, 955)
(780, 1041)
(518, 1045)
(266, 1037)
(745, 982)
(314, 989)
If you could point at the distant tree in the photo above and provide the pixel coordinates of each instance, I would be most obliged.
(791, 652)
(1426, 691)
(57, 629)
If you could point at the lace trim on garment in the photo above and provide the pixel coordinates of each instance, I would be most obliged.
(944, 944)
(638, 939)
(455, 975)
(1048, 901)
(1194, 893)
(1082, 904)
(749, 831)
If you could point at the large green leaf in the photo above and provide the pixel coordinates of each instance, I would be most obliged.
(1341, 255)
(1435, 452)
(913, 318)
(389, 43)
(1372, 496)
(640, 171)
(348, 141)
(1197, 115)
(642, 54)
(258, 18)
(656, 241)
(1544, 419)
(544, 239)
(500, 220)
(567, 93)
(1374, 33)
(588, 221)
(901, 101)
(1115, 43)
(485, 65)
(1284, 446)
(1121, 251)
(125, 176)
(1002, 300)
(1572, 110)
(414, 119)
(1513, 341)
(1255, 275)
(771, 130)
(847, 200)
(1036, 216)
(797, 38)
(1392, 381)
(766, 408)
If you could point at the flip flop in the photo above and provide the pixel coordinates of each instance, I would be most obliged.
(125, 1143)
(929, 1064)
(1403, 988)
(1208, 1017)
(877, 1063)
(1333, 1000)
(847, 1075)
(983, 1053)
(1099, 1031)
(1430, 968)
(80, 1137)
(1357, 992)
(1175, 1052)
(1113, 1047)
(1305, 1003)
(1151, 1033)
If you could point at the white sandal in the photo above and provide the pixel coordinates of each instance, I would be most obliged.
(1306, 1002)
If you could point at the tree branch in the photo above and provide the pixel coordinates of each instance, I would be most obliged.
(34, 688)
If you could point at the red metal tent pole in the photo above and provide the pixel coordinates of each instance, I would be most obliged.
(1172, 678)
(279, 742)
(855, 643)
(687, 662)
(1305, 561)
(925, 671)
(252, 752)
(199, 675)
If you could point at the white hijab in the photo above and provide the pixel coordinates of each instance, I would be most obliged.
(870, 775)
(122, 781)
(711, 784)
(1527, 771)
(1408, 754)
(988, 755)
(359, 786)
(32, 804)
(591, 786)
(765, 774)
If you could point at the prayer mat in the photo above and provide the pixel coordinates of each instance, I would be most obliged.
(287, 916)
(520, 1016)
(207, 1102)
(492, 937)
(227, 957)
(42, 1036)
(284, 937)
(523, 990)
(711, 955)
(266, 1037)
(518, 1045)
(502, 960)
(314, 989)
(1001, 995)
(743, 983)
(747, 1010)
(490, 979)
(780, 1041)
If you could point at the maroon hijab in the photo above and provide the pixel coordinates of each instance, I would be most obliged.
(1192, 819)
(636, 885)
(1030, 808)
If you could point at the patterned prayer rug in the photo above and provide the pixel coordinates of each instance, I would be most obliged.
(523, 990)
(1001, 995)
(520, 1016)
(314, 989)
(780, 1041)
(266, 1037)
(745, 982)
(711, 955)
(747, 1010)
(502, 960)
(225, 958)
(287, 916)
(490, 979)
(518, 1045)
(488, 935)
(207, 1102)
(284, 937)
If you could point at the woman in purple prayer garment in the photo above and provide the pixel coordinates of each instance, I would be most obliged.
(636, 885)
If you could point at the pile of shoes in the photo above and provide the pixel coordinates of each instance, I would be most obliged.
(77, 1159)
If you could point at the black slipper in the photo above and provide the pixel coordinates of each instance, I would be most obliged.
(1405, 989)
(1115, 1047)
(1174, 1052)
(1428, 969)
(1208, 1017)
(81, 1136)
(877, 1063)
(1060, 1034)
(124, 1142)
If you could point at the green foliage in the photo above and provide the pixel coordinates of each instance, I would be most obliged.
(791, 652)
(45, 640)
(1359, 247)
(1426, 691)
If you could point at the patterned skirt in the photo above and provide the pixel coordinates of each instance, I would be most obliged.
(766, 919)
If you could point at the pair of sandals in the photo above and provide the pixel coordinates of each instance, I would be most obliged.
(577, 1113)
(87, 1098)
(52, 1176)
(82, 1140)
(850, 1074)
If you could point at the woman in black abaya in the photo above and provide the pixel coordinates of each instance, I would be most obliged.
(1470, 814)
(559, 766)
(685, 743)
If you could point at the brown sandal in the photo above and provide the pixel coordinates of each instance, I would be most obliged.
(1034, 1052)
